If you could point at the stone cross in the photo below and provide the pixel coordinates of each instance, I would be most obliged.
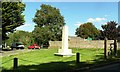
(65, 39)
(64, 51)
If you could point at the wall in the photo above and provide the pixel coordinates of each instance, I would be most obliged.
(76, 42)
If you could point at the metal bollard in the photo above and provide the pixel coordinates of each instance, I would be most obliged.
(77, 57)
(15, 63)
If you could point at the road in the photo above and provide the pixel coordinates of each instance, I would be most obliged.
(108, 68)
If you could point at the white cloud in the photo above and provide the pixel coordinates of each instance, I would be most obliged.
(26, 27)
(90, 20)
(99, 19)
(107, 15)
(104, 23)
(96, 19)
(78, 24)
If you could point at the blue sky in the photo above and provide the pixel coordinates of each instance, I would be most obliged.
(70, 0)
(75, 13)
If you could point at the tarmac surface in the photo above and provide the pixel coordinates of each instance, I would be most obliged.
(115, 67)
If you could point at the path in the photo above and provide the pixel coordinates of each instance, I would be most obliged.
(13, 52)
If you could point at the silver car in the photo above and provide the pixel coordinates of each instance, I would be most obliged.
(17, 45)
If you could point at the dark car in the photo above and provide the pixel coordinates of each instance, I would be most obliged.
(17, 45)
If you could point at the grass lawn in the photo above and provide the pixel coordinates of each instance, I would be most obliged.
(44, 59)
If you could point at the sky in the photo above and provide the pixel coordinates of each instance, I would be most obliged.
(69, 0)
(74, 13)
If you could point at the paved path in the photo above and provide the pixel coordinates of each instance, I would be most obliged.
(13, 52)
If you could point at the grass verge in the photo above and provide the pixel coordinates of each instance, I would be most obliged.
(44, 60)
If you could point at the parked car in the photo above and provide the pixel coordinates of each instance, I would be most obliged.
(7, 48)
(17, 45)
(34, 46)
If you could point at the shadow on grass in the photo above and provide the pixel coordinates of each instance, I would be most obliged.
(118, 53)
(69, 66)
(49, 67)
(109, 58)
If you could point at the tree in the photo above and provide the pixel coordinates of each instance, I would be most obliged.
(110, 30)
(118, 30)
(101, 36)
(118, 34)
(20, 36)
(87, 30)
(49, 24)
(41, 36)
(12, 17)
(0, 19)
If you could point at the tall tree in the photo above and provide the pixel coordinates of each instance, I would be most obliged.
(12, 17)
(110, 30)
(87, 30)
(49, 24)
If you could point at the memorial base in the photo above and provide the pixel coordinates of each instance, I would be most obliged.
(64, 53)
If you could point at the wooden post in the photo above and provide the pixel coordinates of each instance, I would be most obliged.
(105, 48)
(115, 47)
(77, 57)
(15, 63)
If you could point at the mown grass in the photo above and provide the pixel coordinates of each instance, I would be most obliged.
(44, 59)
